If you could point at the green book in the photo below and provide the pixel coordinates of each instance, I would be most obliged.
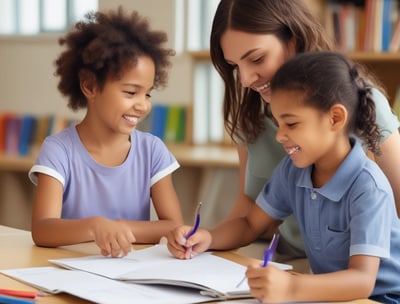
(172, 126)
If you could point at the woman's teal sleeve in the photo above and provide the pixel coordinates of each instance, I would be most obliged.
(385, 118)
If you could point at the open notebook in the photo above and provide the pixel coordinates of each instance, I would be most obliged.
(102, 290)
(212, 275)
(148, 271)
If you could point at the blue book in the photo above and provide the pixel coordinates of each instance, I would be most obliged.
(159, 120)
(28, 129)
(386, 24)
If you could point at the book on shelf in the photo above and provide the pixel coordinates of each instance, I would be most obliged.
(394, 45)
(367, 28)
(27, 134)
(168, 122)
(206, 277)
(387, 24)
(12, 134)
(23, 134)
(5, 127)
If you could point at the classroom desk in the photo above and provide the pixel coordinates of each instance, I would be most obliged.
(18, 250)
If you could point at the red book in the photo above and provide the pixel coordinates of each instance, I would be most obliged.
(369, 25)
(4, 118)
(394, 45)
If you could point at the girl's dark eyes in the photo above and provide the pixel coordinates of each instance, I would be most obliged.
(129, 92)
(291, 125)
(134, 93)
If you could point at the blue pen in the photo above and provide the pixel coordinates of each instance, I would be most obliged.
(196, 225)
(268, 254)
(11, 300)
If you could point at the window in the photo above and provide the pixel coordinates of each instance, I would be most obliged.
(32, 17)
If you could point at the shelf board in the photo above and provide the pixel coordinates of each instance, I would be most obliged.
(16, 163)
(370, 56)
(187, 155)
(205, 155)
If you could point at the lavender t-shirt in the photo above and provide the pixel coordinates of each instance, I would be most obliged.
(91, 189)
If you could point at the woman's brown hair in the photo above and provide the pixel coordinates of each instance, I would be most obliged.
(288, 20)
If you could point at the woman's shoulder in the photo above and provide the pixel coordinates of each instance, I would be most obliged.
(385, 118)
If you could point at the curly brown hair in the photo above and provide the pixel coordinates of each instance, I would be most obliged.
(104, 45)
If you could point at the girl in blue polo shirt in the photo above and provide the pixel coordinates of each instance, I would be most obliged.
(341, 199)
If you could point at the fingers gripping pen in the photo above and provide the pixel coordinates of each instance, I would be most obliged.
(195, 226)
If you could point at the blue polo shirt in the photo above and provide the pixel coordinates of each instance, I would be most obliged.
(354, 213)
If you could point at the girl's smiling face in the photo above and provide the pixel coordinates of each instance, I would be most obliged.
(124, 102)
(256, 58)
(305, 132)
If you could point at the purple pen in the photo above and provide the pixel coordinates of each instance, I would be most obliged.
(195, 227)
(269, 252)
(268, 255)
(196, 222)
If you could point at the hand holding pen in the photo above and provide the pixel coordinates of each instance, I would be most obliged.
(268, 255)
(195, 227)
(184, 239)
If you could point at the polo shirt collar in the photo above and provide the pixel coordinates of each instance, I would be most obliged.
(344, 176)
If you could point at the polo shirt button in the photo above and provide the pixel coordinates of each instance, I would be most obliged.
(313, 196)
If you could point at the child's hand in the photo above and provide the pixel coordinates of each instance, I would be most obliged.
(183, 248)
(114, 238)
(269, 284)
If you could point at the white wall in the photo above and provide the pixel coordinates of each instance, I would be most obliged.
(27, 84)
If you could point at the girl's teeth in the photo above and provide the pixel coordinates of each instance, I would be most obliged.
(131, 118)
(293, 150)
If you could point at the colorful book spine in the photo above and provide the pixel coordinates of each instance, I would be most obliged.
(28, 130)
(13, 130)
(168, 122)
(175, 124)
(395, 41)
(158, 120)
(386, 24)
(23, 134)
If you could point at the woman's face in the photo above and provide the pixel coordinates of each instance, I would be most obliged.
(256, 58)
